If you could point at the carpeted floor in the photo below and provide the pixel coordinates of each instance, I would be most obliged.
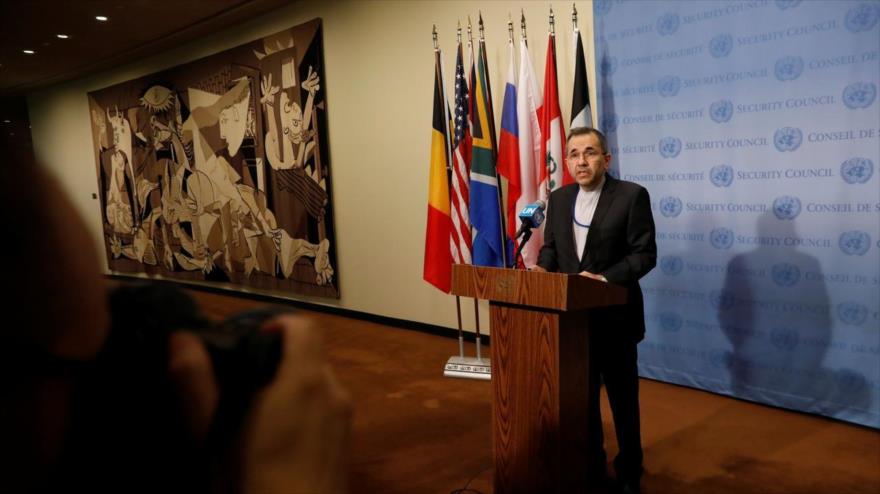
(418, 432)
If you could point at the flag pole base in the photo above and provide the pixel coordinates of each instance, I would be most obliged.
(468, 368)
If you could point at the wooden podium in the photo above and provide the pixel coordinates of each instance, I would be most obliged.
(540, 371)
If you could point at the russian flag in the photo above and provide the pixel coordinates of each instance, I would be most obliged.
(508, 145)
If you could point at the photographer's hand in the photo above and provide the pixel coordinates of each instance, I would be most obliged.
(295, 437)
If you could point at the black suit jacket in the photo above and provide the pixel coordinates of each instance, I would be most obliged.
(620, 246)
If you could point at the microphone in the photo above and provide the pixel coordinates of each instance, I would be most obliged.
(531, 217)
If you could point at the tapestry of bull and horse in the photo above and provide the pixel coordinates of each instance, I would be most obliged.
(218, 170)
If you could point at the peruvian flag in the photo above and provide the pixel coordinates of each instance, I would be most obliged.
(554, 174)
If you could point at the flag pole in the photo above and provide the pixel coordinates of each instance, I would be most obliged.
(553, 43)
(446, 122)
(477, 320)
(460, 331)
(446, 116)
(575, 32)
(574, 42)
(470, 35)
(525, 40)
(509, 28)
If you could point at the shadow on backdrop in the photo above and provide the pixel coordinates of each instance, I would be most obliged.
(775, 311)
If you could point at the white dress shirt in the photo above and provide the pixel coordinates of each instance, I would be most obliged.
(584, 208)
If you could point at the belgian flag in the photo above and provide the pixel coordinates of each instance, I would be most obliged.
(438, 256)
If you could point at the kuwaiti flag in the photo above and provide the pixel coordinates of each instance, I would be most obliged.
(438, 256)
(581, 113)
(461, 159)
(531, 163)
(508, 145)
(553, 142)
(484, 199)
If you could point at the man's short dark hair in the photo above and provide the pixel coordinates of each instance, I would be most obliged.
(580, 131)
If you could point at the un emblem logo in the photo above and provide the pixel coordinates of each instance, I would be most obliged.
(854, 242)
(785, 274)
(601, 7)
(667, 24)
(721, 175)
(721, 238)
(670, 206)
(722, 299)
(721, 111)
(861, 18)
(788, 139)
(784, 339)
(786, 207)
(852, 313)
(857, 170)
(789, 68)
(859, 95)
(609, 122)
(671, 265)
(608, 65)
(721, 45)
(670, 321)
(787, 4)
(668, 86)
(669, 147)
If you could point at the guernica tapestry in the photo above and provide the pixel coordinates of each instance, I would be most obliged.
(218, 170)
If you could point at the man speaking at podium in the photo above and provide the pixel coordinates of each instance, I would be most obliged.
(603, 228)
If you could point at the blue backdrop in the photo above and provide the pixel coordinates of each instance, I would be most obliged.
(755, 126)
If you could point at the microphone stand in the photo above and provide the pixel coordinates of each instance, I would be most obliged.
(525, 238)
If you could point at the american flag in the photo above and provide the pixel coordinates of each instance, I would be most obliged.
(459, 196)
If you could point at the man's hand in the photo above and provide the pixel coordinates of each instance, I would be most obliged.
(538, 269)
(593, 276)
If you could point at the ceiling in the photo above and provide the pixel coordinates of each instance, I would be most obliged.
(134, 29)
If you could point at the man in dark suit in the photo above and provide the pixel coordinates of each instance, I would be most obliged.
(603, 228)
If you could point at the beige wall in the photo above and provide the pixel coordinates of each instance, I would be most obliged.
(379, 70)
